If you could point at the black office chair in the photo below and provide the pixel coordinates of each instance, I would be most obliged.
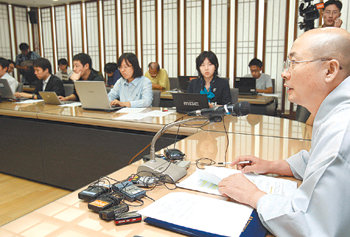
(156, 98)
(234, 95)
(68, 89)
(174, 83)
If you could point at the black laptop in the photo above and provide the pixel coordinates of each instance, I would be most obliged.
(187, 102)
(246, 85)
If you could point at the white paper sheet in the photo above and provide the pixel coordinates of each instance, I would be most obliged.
(207, 180)
(74, 104)
(130, 110)
(28, 101)
(198, 212)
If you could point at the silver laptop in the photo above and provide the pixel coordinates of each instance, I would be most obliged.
(93, 95)
(50, 97)
(5, 90)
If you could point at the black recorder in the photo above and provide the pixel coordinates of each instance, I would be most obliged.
(129, 191)
(110, 213)
(105, 201)
(92, 192)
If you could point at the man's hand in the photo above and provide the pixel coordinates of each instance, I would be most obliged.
(118, 103)
(62, 98)
(256, 165)
(75, 76)
(240, 189)
(260, 166)
(338, 22)
(23, 95)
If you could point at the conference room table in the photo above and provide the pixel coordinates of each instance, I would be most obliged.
(257, 135)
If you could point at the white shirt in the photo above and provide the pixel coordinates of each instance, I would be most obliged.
(13, 83)
(320, 206)
(45, 82)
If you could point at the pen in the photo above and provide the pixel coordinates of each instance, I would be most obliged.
(239, 163)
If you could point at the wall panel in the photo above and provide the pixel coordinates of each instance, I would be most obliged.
(128, 26)
(110, 31)
(46, 28)
(5, 37)
(92, 30)
(61, 32)
(77, 28)
(148, 28)
(21, 25)
(170, 37)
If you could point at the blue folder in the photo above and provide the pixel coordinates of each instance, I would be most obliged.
(253, 227)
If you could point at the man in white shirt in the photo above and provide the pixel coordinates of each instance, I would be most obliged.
(317, 75)
(263, 81)
(4, 66)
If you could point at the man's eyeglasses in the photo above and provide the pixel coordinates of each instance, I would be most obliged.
(288, 63)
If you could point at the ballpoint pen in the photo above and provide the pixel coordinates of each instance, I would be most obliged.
(239, 163)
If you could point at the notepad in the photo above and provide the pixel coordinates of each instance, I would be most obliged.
(180, 211)
(207, 180)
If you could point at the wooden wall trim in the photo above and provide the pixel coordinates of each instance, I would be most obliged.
(9, 26)
(121, 24)
(202, 28)
(99, 35)
(53, 39)
(67, 35)
(162, 36)
(228, 38)
(84, 47)
(185, 38)
(135, 20)
(257, 27)
(264, 35)
(156, 17)
(178, 38)
(116, 29)
(235, 42)
(141, 36)
(209, 26)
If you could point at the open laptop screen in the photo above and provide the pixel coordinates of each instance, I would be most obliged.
(5, 90)
(187, 102)
(245, 85)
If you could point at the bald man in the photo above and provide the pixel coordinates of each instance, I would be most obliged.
(158, 77)
(317, 77)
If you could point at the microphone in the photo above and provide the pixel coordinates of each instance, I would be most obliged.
(238, 109)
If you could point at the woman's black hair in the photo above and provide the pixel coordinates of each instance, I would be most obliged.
(131, 59)
(212, 59)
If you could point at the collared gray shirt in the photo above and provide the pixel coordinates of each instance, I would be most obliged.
(263, 82)
(320, 206)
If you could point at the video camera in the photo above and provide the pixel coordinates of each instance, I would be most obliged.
(310, 13)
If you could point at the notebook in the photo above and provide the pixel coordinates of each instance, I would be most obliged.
(5, 90)
(187, 102)
(50, 97)
(93, 96)
(246, 85)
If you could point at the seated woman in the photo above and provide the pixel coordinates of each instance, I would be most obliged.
(208, 82)
(132, 89)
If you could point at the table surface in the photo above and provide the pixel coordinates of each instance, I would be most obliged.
(69, 216)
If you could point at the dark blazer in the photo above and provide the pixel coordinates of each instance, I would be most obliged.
(219, 87)
(54, 84)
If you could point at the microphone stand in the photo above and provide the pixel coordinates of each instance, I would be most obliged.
(161, 167)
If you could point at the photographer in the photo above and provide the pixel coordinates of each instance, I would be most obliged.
(331, 14)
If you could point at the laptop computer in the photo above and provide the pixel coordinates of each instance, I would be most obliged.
(5, 90)
(246, 85)
(184, 81)
(93, 95)
(187, 102)
(50, 97)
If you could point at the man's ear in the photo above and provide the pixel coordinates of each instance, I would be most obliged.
(333, 68)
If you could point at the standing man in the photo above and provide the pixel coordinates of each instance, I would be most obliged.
(263, 81)
(4, 67)
(47, 81)
(24, 63)
(158, 77)
(317, 74)
(82, 70)
(331, 14)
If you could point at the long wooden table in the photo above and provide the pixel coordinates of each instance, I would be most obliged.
(70, 216)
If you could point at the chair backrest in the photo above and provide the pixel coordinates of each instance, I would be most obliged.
(174, 82)
(19, 87)
(234, 95)
(273, 85)
(68, 89)
(156, 98)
